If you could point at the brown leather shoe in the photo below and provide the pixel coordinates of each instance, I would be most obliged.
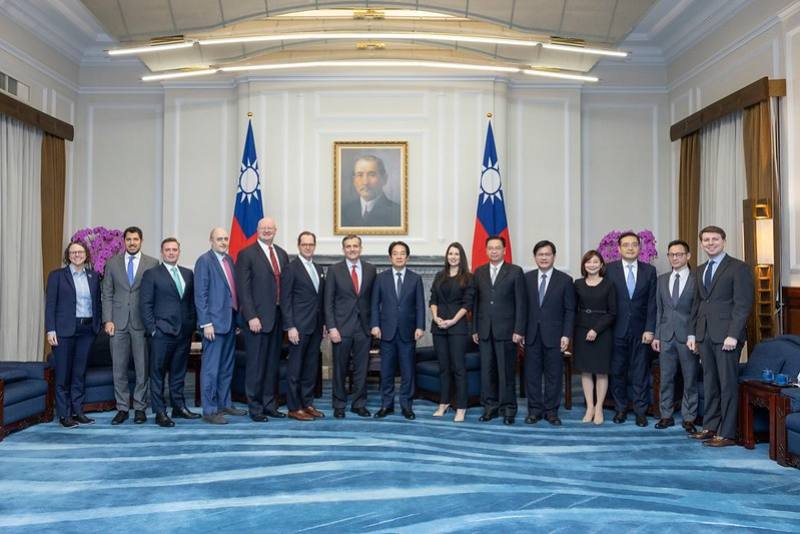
(719, 441)
(703, 435)
(313, 411)
(300, 415)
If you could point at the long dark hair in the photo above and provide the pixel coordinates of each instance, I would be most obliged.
(463, 275)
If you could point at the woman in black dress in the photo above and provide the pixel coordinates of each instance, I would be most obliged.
(452, 294)
(594, 340)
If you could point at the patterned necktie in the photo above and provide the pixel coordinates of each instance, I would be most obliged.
(314, 275)
(676, 289)
(178, 282)
(354, 278)
(631, 281)
(276, 270)
(399, 285)
(709, 273)
(231, 283)
(131, 273)
(542, 288)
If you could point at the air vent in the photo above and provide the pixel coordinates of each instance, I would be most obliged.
(14, 87)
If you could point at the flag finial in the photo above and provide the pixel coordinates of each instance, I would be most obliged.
(489, 115)
(249, 114)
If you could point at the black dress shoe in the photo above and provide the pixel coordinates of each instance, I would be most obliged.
(665, 423)
(508, 420)
(68, 422)
(184, 413)
(487, 416)
(163, 420)
(689, 427)
(338, 413)
(139, 417)
(409, 414)
(276, 414)
(620, 418)
(533, 419)
(361, 412)
(553, 420)
(383, 412)
(83, 420)
(641, 420)
(259, 417)
(120, 418)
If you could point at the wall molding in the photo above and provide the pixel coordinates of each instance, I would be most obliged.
(37, 65)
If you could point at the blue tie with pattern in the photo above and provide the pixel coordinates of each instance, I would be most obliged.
(130, 271)
(631, 281)
(709, 273)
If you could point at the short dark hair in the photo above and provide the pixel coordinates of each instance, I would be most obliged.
(712, 230)
(83, 246)
(496, 237)
(348, 237)
(132, 230)
(629, 234)
(169, 240)
(306, 232)
(542, 244)
(589, 255)
(377, 161)
(399, 244)
(680, 242)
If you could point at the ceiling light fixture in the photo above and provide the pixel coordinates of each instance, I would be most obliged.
(408, 36)
(550, 73)
(150, 48)
(179, 74)
(378, 63)
(578, 46)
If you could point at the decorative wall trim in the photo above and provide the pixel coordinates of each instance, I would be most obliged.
(37, 65)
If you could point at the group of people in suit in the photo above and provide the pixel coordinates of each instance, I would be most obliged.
(611, 318)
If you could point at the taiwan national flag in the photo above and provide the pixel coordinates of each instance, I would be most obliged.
(249, 208)
(491, 217)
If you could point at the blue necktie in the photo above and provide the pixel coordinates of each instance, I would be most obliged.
(709, 273)
(631, 281)
(399, 285)
(130, 271)
(542, 287)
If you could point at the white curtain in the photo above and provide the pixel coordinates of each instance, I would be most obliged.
(723, 183)
(21, 291)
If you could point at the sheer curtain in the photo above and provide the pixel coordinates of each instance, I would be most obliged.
(21, 291)
(723, 183)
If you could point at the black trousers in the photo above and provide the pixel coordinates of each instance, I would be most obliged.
(548, 362)
(356, 345)
(168, 354)
(301, 371)
(498, 392)
(71, 356)
(630, 357)
(450, 351)
(261, 372)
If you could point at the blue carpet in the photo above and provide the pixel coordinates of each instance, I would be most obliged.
(391, 475)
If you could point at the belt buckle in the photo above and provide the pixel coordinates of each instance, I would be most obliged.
(588, 311)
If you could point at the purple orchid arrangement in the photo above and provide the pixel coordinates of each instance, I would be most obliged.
(609, 249)
(102, 244)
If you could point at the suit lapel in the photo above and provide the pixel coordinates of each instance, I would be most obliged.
(501, 273)
(68, 276)
(639, 277)
(722, 266)
(171, 281)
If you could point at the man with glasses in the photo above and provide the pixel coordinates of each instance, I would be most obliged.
(674, 300)
(635, 282)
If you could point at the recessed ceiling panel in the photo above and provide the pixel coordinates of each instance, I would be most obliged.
(147, 18)
(588, 18)
(538, 15)
(196, 14)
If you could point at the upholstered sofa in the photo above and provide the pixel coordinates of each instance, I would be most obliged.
(27, 395)
(427, 375)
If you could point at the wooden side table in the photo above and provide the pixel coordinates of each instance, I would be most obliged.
(193, 364)
(755, 393)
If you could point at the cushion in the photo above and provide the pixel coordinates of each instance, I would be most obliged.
(772, 354)
(425, 354)
(9, 376)
(794, 398)
(99, 376)
(472, 361)
(428, 368)
(24, 409)
(793, 424)
(23, 390)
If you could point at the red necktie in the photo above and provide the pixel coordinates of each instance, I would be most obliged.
(354, 277)
(231, 283)
(277, 271)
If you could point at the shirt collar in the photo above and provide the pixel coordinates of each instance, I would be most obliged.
(635, 263)
(135, 256)
(718, 258)
(682, 271)
(368, 204)
(548, 272)
(76, 272)
(350, 264)
(402, 272)
(219, 256)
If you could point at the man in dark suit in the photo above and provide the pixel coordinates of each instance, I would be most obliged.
(166, 302)
(498, 320)
(551, 320)
(123, 324)
(398, 320)
(635, 283)
(348, 293)
(258, 276)
(216, 301)
(372, 208)
(717, 330)
(674, 300)
(302, 287)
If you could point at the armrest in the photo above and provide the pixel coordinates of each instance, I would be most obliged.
(424, 354)
(794, 398)
(31, 369)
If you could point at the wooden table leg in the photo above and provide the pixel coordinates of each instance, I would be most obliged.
(782, 409)
(567, 381)
(747, 437)
(773, 426)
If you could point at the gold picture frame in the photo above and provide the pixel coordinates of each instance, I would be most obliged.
(370, 187)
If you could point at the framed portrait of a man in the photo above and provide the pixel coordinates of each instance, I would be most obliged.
(370, 186)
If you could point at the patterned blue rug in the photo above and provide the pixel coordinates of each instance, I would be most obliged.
(391, 475)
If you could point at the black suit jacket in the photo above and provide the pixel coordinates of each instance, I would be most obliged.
(398, 316)
(344, 310)
(499, 309)
(59, 311)
(638, 314)
(555, 318)
(255, 284)
(161, 307)
(723, 309)
(384, 213)
(449, 298)
(301, 304)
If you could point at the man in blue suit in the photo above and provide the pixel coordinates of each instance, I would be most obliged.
(166, 303)
(551, 319)
(398, 320)
(216, 302)
(635, 283)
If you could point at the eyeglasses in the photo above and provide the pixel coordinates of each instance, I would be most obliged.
(676, 254)
(77, 253)
(629, 245)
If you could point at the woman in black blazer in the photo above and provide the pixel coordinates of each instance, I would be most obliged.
(452, 294)
(72, 320)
